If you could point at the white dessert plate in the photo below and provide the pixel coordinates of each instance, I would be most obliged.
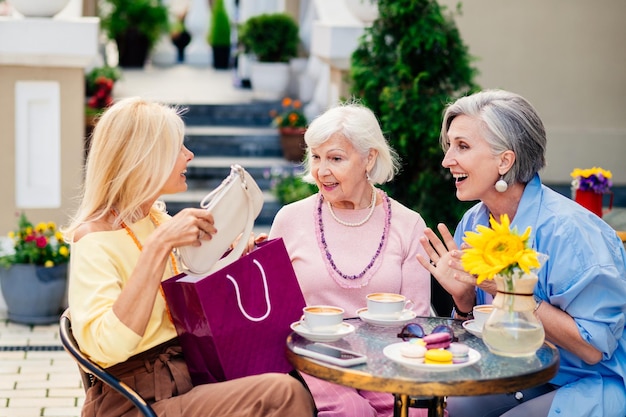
(344, 330)
(393, 352)
(473, 328)
(405, 317)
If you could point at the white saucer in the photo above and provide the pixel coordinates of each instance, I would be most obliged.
(393, 352)
(470, 326)
(405, 317)
(344, 330)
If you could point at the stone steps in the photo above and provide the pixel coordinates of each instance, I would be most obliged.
(221, 135)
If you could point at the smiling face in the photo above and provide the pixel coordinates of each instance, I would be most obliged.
(177, 181)
(340, 173)
(471, 161)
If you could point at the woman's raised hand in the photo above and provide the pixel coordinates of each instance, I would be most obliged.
(445, 261)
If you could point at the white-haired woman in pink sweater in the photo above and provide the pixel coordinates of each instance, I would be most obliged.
(351, 239)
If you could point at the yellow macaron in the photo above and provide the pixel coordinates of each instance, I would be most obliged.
(438, 357)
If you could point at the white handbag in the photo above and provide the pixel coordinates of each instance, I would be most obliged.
(235, 204)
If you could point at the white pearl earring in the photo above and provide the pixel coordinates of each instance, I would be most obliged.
(501, 185)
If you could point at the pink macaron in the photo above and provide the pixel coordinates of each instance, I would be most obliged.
(437, 340)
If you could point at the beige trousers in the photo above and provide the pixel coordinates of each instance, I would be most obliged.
(161, 377)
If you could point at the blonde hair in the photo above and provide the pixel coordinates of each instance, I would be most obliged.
(133, 151)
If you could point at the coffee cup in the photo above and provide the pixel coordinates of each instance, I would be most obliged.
(387, 305)
(322, 318)
(481, 313)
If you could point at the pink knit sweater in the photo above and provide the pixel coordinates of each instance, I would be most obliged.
(352, 248)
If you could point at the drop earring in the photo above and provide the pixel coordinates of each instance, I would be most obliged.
(501, 185)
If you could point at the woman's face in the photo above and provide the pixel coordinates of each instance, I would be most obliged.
(177, 182)
(471, 161)
(340, 173)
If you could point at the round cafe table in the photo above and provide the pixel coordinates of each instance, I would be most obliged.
(491, 374)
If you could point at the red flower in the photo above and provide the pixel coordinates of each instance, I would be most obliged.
(42, 241)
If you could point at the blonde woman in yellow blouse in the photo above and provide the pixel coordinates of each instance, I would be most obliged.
(122, 248)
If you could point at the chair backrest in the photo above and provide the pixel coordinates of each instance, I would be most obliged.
(90, 370)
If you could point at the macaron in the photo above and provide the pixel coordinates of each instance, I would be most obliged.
(437, 340)
(412, 350)
(438, 357)
(460, 352)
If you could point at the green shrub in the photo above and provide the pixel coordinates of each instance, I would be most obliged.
(149, 17)
(271, 37)
(219, 35)
(409, 64)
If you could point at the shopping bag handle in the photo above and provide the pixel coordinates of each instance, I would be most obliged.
(265, 288)
(237, 251)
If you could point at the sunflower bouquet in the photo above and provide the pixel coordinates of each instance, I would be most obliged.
(499, 250)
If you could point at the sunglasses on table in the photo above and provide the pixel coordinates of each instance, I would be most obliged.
(414, 330)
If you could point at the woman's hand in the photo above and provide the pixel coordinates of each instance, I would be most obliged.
(252, 242)
(188, 227)
(445, 266)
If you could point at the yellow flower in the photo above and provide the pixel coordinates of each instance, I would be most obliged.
(587, 173)
(64, 251)
(48, 264)
(497, 250)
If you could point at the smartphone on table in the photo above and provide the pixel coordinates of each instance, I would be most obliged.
(331, 354)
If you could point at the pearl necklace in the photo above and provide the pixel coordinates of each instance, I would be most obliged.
(372, 206)
(328, 257)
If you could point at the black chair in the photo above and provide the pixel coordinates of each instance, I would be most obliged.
(90, 371)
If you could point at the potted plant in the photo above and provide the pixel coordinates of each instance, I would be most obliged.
(99, 83)
(287, 184)
(180, 36)
(219, 35)
(273, 40)
(33, 272)
(135, 26)
(291, 123)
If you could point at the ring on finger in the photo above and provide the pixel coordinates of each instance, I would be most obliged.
(433, 263)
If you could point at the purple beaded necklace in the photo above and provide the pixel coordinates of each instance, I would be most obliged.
(383, 238)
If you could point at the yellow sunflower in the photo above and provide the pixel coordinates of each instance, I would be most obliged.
(497, 250)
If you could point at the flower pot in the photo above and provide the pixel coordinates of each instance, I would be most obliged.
(133, 48)
(180, 41)
(269, 80)
(221, 57)
(34, 294)
(591, 200)
(512, 329)
(38, 8)
(292, 143)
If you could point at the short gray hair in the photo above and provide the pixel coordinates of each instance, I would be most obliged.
(510, 123)
(359, 125)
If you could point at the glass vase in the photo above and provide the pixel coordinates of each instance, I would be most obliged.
(512, 329)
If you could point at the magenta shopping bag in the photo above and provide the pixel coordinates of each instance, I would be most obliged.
(234, 322)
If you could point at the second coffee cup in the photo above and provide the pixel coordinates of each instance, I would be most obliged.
(387, 305)
(322, 318)
(481, 313)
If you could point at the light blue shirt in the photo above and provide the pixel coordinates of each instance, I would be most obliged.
(585, 276)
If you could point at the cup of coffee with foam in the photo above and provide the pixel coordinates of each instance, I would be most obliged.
(386, 305)
(481, 312)
(322, 318)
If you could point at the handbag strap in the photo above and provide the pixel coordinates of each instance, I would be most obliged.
(265, 288)
(236, 171)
